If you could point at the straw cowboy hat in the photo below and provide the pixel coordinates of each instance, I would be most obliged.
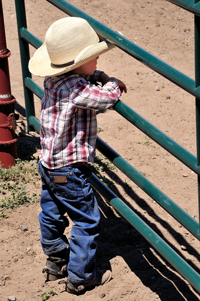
(69, 43)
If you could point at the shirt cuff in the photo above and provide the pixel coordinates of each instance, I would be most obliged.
(96, 76)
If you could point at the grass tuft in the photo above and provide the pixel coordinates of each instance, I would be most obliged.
(17, 185)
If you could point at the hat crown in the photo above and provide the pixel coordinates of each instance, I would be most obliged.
(67, 37)
(69, 43)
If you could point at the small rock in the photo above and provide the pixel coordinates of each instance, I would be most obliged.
(23, 227)
(28, 249)
(157, 88)
(12, 298)
(183, 248)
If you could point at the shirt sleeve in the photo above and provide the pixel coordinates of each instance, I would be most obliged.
(95, 77)
(89, 96)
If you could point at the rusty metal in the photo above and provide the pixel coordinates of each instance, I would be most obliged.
(8, 149)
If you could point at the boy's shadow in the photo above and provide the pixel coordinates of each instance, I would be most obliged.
(119, 238)
(27, 147)
(27, 144)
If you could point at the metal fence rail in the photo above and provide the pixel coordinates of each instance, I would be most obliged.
(192, 6)
(175, 76)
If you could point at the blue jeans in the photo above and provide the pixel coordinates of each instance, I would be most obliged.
(67, 190)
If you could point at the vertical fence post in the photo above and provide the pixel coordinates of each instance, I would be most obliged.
(197, 84)
(25, 56)
(8, 149)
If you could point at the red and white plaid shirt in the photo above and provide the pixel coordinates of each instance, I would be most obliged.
(68, 125)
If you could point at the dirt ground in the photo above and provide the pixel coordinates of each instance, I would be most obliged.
(139, 272)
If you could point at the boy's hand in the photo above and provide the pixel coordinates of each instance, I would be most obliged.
(105, 78)
(121, 85)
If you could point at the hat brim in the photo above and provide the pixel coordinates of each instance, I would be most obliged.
(40, 64)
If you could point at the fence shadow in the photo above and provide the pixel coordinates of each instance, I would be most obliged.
(119, 238)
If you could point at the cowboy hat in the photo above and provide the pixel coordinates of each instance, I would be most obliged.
(69, 43)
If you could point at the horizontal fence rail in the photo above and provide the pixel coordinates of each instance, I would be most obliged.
(163, 140)
(30, 38)
(188, 5)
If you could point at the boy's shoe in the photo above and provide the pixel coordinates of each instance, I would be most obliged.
(56, 268)
(102, 277)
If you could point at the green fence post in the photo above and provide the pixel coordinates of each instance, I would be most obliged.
(197, 84)
(25, 56)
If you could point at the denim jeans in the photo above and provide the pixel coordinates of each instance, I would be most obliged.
(67, 190)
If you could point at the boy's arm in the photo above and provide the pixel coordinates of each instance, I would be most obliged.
(102, 77)
(92, 96)
(105, 78)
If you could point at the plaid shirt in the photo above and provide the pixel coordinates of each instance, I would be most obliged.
(68, 117)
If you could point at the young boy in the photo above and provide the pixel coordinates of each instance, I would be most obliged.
(68, 60)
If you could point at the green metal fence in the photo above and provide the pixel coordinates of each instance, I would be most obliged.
(175, 76)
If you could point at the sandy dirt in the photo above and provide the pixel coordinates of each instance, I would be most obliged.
(139, 272)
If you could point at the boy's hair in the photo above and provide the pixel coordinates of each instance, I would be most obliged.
(69, 43)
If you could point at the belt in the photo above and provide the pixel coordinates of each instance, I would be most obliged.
(78, 164)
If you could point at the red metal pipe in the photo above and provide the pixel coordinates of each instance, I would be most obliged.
(8, 149)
